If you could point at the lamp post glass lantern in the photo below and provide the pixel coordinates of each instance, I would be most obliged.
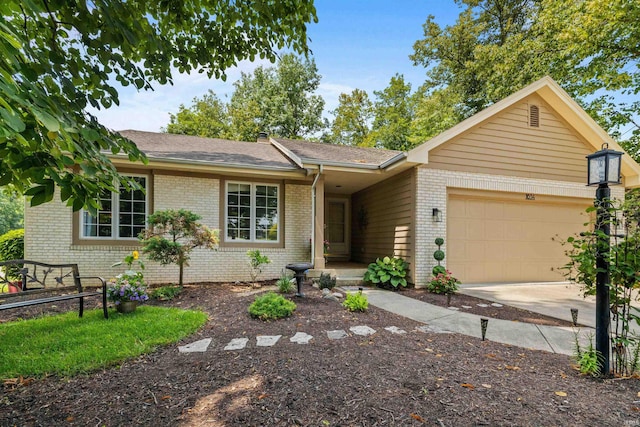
(603, 168)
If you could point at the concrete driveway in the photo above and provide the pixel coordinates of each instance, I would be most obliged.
(553, 299)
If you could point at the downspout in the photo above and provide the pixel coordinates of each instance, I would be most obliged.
(313, 213)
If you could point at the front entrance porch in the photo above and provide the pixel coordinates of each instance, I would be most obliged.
(346, 273)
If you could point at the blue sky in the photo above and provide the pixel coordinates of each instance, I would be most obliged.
(356, 44)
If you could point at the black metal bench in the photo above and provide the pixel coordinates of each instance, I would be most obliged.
(24, 283)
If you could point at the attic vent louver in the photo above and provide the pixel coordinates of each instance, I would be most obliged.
(534, 116)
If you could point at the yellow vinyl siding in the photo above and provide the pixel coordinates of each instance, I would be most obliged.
(501, 237)
(506, 145)
(389, 208)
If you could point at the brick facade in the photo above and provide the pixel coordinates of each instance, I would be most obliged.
(431, 192)
(48, 235)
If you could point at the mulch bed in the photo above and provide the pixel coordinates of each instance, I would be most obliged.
(413, 379)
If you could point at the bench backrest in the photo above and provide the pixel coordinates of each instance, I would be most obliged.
(21, 275)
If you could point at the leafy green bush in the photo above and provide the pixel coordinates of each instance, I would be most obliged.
(587, 358)
(256, 261)
(326, 281)
(271, 306)
(443, 283)
(284, 283)
(356, 302)
(387, 271)
(12, 247)
(166, 293)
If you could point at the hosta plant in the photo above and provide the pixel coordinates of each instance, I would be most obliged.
(387, 272)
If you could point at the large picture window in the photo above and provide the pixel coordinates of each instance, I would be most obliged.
(252, 212)
(122, 214)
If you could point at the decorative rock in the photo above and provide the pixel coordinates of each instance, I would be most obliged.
(195, 347)
(237, 344)
(315, 285)
(467, 307)
(301, 338)
(453, 308)
(495, 304)
(326, 291)
(330, 297)
(337, 295)
(362, 330)
(267, 340)
(336, 335)
(483, 305)
(395, 330)
(432, 329)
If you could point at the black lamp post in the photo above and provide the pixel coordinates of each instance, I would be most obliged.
(603, 169)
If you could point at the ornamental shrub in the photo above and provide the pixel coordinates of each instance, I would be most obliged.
(356, 302)
(12, 247)
(443, 283)
(284, 283)
(271, 306)
(387, 272)
(256, 261)
(326, 281)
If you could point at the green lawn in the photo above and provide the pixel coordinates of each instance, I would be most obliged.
(66, 344)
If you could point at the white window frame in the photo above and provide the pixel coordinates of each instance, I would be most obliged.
(253, 207)
(115, 213)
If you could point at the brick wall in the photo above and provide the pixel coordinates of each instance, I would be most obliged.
(48, 236)
(431, 192)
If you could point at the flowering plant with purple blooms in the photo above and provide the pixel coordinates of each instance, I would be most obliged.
(127, 287)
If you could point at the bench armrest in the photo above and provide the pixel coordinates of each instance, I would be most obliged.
(102, 281)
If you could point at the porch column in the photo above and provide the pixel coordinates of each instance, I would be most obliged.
(318, 260)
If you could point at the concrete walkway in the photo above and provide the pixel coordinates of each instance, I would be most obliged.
(548, 338)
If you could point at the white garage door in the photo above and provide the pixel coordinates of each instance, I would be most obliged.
(506, 237)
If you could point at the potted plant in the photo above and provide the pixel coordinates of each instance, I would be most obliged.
(127, 290)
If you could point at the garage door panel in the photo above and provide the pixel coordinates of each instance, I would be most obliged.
(493, 239)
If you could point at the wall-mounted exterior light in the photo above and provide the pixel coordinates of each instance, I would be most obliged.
(437, 215)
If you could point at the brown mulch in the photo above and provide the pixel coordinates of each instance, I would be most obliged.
(469, 304)
(413, 379)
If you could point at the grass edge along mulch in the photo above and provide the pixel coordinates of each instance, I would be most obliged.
(65, 344)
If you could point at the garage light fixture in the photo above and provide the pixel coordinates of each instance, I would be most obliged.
(604, 166)
(437, 215)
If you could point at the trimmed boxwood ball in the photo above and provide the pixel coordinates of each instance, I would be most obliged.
(439, 241)
(438, 269)
(438, 255)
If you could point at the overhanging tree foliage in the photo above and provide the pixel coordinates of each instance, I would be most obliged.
(590, 47)
(57, 57)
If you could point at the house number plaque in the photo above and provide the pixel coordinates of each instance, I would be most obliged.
(530, 196)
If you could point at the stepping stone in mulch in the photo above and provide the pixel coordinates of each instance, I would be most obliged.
(466, 307)
(432, 329)
(362, 330)
(453, 308)
(237, 344)
(395, 330)
(195, 347)
(483, 305)
(267, 340)
(495, 304)
(301, 338)
(337, 335)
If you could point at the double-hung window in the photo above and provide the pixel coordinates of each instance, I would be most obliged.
(252, 212)
(122, 214)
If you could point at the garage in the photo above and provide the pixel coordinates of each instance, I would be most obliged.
(507, 237)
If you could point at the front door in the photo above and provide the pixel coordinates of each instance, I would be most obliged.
(336, 231)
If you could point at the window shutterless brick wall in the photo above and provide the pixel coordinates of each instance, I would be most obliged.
(48, 235)
(431, 192)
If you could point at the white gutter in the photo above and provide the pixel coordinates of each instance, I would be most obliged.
(313, 214)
